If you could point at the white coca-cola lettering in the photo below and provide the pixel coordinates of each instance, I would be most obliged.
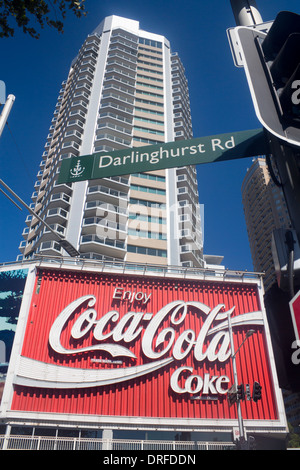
(90, 315)
(224, 352)
(121, 294)
(196, 383)
(212, 351)
(130, 327)
(154, 325)
(159, 339)
(188, 337)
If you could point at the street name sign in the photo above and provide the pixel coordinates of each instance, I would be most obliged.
(180, 153)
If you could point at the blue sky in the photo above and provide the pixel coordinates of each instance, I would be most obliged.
(220, 102)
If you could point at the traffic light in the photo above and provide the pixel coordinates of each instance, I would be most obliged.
(281, 49)
(272, 65)
(270, 55)
(256, 393)
(248, 392)
(241, 392)
(251, 443)
(232, 395)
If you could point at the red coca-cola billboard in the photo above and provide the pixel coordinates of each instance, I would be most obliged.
(140, 347)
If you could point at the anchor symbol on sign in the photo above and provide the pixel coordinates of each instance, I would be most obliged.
(77, 170)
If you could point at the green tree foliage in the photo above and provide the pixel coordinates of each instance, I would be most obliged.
(11, 293)
(27, 13)
(293, 439)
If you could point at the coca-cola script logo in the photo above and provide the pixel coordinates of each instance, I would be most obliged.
(158, 343)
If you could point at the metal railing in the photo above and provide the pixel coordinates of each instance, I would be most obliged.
(128, 267)
(20, 442)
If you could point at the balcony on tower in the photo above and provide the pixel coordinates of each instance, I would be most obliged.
(106, 246)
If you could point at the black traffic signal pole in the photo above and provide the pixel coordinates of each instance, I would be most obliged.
(287, 159)
(280, 56)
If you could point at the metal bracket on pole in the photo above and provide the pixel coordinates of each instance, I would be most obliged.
(246, 14)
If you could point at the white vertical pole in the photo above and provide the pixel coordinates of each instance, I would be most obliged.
(235, 378)
(245, 12)
(5, 112)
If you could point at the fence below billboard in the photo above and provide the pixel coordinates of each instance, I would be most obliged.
(141, 347)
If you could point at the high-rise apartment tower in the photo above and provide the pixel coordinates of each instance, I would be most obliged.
(124, 89)
(265, 210)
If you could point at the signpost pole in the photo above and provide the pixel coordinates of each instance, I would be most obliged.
(245, 12)
(5, 112)
(235, 378)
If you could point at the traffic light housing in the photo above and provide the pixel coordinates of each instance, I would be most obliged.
(248, 392)
(251, 443)
(232, 395)
(241, 392)
(272, 64)
(256, 393)
(281, 49)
